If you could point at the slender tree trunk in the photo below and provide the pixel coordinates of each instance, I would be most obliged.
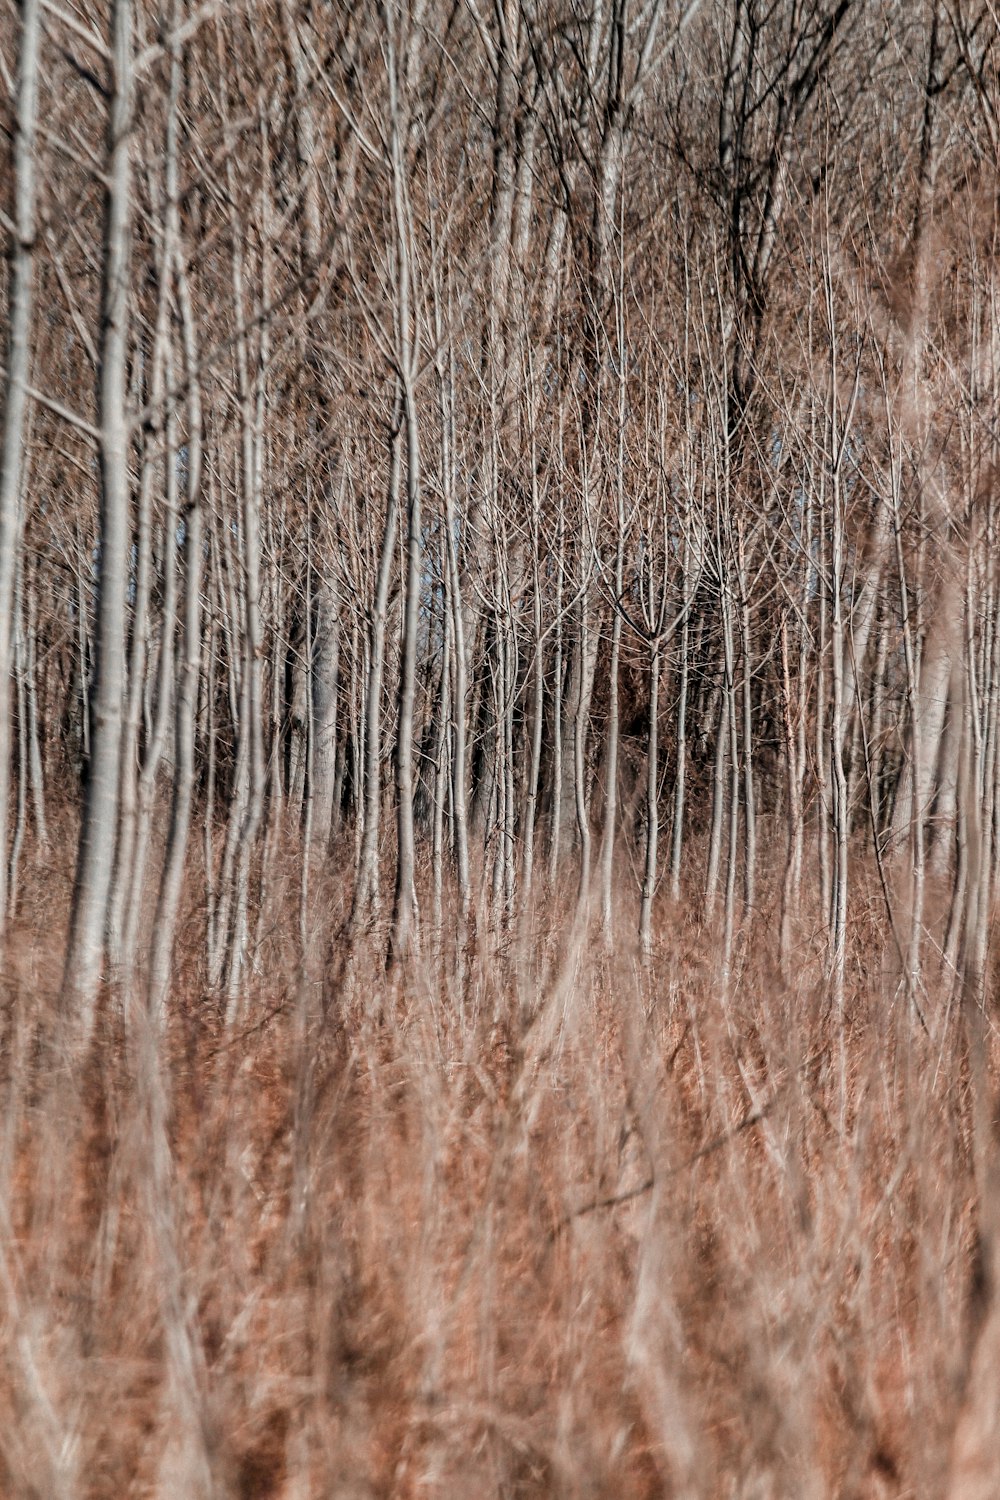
(442, 778)
(95, 860)
(915, 827)
(729, 658)
(172, 877)
(509, 812)
(581, 718)
(879, 694)
(680, 773)
(20, 303)
(459, 761)
(718, 803)
(325, 656)
(652, 805)
(252, 397)
(555, 834)
(405, 903)
(366, 885)
(793, 809)
(538, 701)
(20, 665)
(746, 693)
(35, 761)
(839, 807)
(157, 741)
(821, 726)
(611, 776)
(614, 712)
(153, 459)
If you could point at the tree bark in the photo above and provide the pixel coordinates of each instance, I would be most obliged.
(95, 858)
(20, 305)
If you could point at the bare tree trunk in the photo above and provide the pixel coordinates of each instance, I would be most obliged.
(20, 302)
(718, 803)
(20, 665)
(729, 707)
(459, 771)
(325, 654)
(95, 860)
(614, 714)
(252, 397)
(366, 886)
(161, 727)
(153, 459)
(538, 695)
(879, 695)
(442, 742)
(405, 902)
(821, 740)
(35, 762)
(915, 824)
(793, 808)
(839, 809)
(680, 772)
(652, 805)
(404, 916)
(943, 826)
(172, 876)
(839, 431)
(581, 718)
(746, 694)
(555, 824)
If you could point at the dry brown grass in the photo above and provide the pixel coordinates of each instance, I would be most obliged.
(545, 1223)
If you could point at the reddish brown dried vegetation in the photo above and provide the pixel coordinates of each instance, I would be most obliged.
(562, 1226)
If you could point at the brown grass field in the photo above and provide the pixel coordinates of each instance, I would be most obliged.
(539, 1221)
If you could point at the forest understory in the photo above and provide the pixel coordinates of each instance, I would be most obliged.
(536, 1215)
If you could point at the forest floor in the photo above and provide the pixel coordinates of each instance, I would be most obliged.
(542, 1221)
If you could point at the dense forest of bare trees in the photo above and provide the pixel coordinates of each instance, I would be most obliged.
(489, 452)
(490, 486)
